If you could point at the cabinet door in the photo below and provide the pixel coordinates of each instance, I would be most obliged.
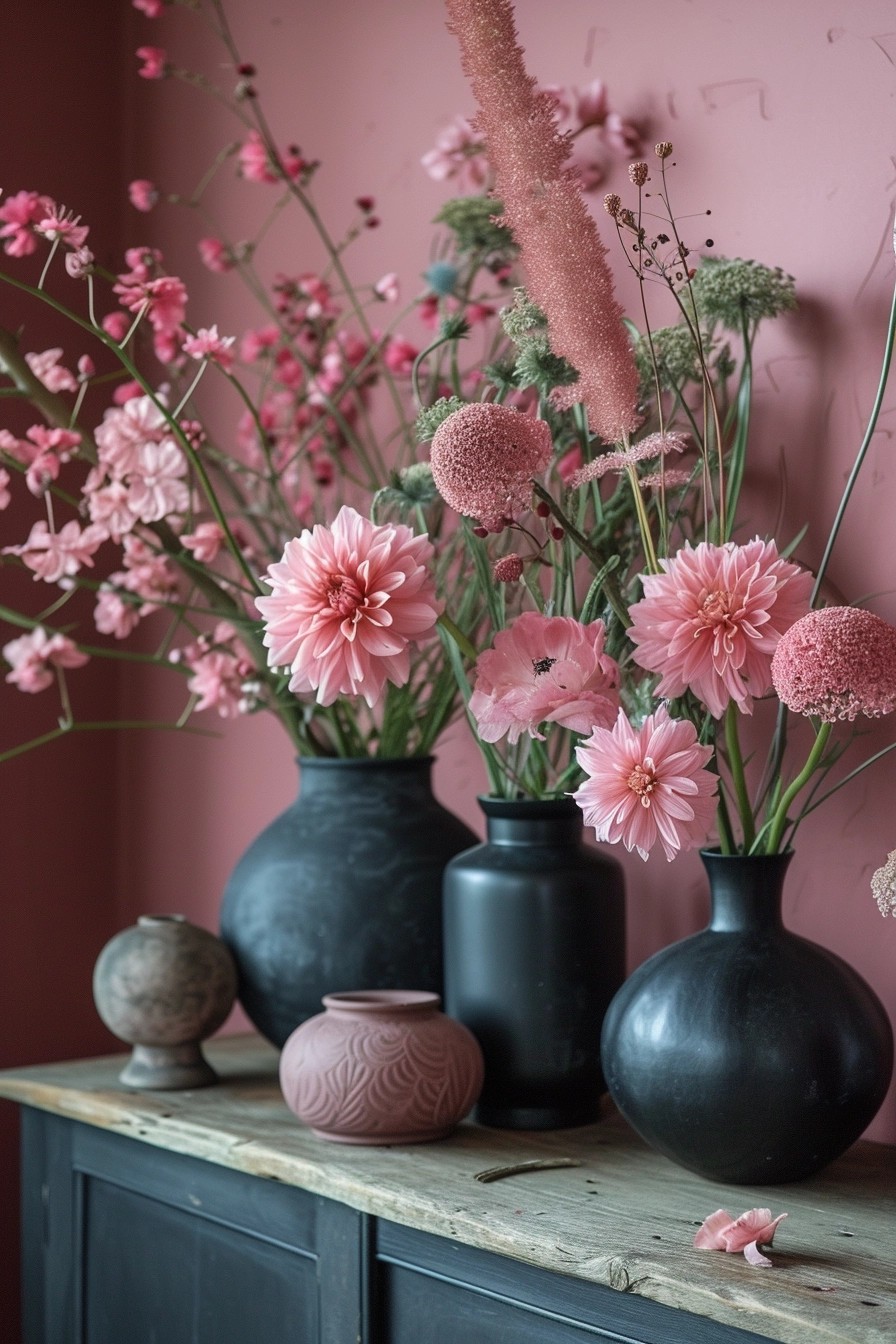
(143, 1246)
(434, 1291)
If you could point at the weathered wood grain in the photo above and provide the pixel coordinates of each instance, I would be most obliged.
(625, 1217)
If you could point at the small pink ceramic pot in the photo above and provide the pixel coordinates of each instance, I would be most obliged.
(381, 1066)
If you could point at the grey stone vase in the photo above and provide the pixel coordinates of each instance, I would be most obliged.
(164, 986)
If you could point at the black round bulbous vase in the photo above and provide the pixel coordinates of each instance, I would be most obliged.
(534, 952)
(342, 891)
(746, 1053)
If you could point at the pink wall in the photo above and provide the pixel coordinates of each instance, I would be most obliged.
(780, 117)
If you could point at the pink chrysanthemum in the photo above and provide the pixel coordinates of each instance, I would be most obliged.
(711, 622)
(483, 458)
(837, 663)
(346, 603)
(544, 669)
(647, 784)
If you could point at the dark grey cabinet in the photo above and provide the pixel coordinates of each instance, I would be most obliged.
(127, 1243)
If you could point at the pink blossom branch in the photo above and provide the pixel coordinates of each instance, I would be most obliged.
(561, 251)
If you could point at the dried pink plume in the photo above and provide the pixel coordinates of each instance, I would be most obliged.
(837, 663)
(483, 458)
(561, 251)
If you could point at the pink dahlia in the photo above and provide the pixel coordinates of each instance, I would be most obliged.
(710, 623)
(837, 663)
(346, 603)
(483, 458)
(544, 669)
(647, 784)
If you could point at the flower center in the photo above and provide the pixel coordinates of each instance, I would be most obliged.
(716, 607)
(540, 665)
(343, 594)
(643, 781)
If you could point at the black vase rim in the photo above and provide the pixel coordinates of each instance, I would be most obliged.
(715, 855)
(364, 762)
(528, 809)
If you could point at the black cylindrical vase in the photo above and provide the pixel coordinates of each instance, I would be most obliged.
(534, 952)
(746, 1053)
(342, 891)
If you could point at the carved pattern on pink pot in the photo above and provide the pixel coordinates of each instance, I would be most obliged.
(381, 1066)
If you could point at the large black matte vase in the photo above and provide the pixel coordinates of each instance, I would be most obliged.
(534, 952)
(342, 891)
(746, 1053)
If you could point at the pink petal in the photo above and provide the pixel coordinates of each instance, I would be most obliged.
(709, 1237)
(755, 1256)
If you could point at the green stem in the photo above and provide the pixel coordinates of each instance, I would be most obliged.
(779, 820)
(736, 764)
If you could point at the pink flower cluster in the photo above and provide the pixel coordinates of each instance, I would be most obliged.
(347, 601)
(221, 676)
(544, 669)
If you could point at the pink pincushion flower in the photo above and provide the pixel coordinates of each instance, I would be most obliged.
(347, 601)
(710, 623)
(755, 1228)
(647, 784)
(544, 669)
(837, 663)
(31, 657)
(483, 458)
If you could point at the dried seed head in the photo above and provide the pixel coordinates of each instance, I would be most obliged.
(638, 173)
(664, 149)
(612, 202)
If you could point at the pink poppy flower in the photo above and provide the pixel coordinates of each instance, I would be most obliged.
(647, 784)
(31, 656)
(484, 457)
(347, 601)
(544, 669)
(755, 1228)
(710, 623)
(836, 663)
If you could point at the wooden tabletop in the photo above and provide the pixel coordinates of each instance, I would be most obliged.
(624, 1217)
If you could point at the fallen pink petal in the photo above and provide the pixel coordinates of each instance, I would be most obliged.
(755, 1228)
